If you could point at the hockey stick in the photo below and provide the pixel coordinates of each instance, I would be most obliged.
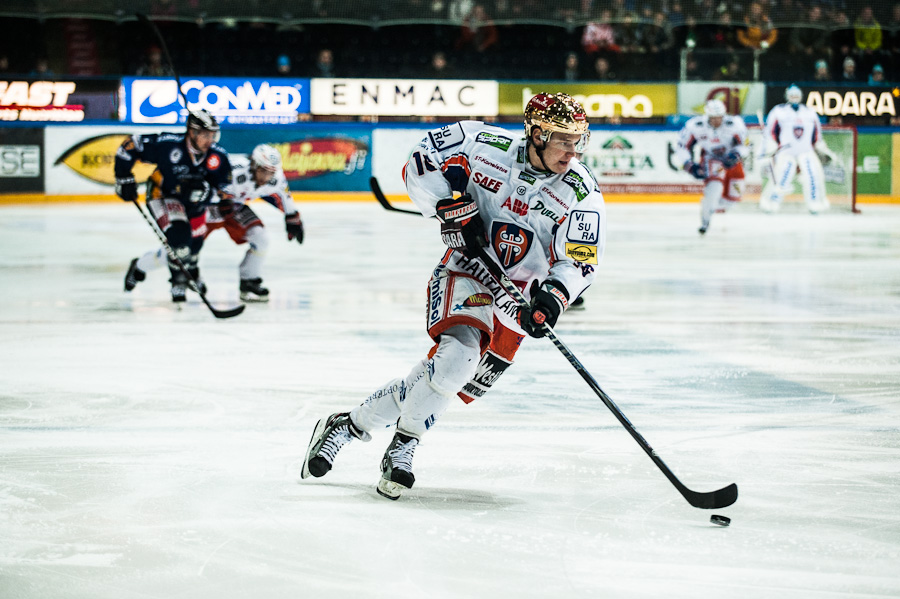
(382, 199)
(709, 500)
(165, 49)
(175, 260)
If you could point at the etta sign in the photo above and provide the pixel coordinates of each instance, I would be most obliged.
(38, 101)
(404, 97)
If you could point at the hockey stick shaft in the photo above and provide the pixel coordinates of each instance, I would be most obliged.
(709, 500)
(382, 199)
(173, 258)
(165, 49)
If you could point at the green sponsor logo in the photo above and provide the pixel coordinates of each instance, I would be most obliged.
(617, 143)
(497, 141)
(527, 178)
(574, 180)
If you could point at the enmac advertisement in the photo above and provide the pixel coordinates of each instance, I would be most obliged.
(231, 99)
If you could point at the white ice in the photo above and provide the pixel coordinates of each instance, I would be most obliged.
(147, 452)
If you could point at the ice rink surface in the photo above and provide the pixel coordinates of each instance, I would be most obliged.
(147, 452)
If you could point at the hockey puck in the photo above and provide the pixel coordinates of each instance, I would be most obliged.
(720, 520)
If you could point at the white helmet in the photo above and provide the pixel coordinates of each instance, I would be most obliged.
(793, 95)
(265, 157)
(715, 108)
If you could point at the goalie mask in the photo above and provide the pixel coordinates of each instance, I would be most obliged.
(203, 120)
(557, 113)
(794, 96)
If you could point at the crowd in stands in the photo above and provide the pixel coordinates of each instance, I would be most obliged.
(622, 40)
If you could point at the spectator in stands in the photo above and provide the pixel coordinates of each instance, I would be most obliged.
(867, 32)
(630, 35)
(439, 68)
(571, 70)
(758, 32)
(599, 37)
(459, 9)
(731, 70)
(4, 64)
(324, 64)
(283, 65)
(687, 35)
(478, 31)
(849, 70)
(723, 35)
(812, 38)
(821, 72)
(153, 65)
(42, 69)
(876, 77)
(603, 70)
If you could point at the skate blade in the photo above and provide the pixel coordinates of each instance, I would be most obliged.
(320, 425)
(259, 299)
(390, 489)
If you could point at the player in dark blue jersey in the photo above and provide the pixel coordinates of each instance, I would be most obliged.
(190, 167)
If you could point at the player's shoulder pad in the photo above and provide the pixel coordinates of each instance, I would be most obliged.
(219, 149)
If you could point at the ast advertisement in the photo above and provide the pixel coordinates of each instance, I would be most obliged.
(57, 101)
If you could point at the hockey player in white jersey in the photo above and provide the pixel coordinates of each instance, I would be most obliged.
(259, 176)
(535, 209)
(793, 141)
(712, 147)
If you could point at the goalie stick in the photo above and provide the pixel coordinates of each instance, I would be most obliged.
(710, 500)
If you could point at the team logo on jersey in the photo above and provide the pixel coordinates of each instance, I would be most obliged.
(213, 162)
(798, 132)
(511, 242)
(175, 155)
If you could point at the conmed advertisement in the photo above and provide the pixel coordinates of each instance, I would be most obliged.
(230, 99)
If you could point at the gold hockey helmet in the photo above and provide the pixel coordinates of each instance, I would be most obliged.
(557, 112)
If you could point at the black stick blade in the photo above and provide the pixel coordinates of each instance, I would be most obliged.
(382, 199)
(713, 500)
(228, 313)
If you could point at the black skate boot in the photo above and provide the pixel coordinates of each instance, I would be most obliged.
(396, 466)
(328, 437)
(195, 276)
(179, 287)
(134, 275)
(253, 291)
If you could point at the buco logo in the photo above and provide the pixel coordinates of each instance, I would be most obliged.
(94, 159)
(321, 156)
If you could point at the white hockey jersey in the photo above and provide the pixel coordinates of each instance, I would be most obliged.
(540, 225)
(719, 141)
(794, 131)
(275, 192)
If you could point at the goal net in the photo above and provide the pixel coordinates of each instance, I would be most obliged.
(840, 174)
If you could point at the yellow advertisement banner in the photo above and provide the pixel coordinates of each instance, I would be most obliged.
(600, 100)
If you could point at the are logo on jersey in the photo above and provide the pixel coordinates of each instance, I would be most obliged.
(511, 242)
(213, 162)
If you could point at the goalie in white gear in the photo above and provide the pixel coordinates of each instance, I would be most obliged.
(798, 146)
(722, 143)
(260, 176)
(534, 209)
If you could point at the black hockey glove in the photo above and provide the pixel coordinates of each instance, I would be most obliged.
(546, 305)
(294, 226)
(696, 170)
(195, 189)
(461, 224)
(126, 189)
(732, 158)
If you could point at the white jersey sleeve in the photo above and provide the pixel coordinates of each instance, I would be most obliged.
(275, 192)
